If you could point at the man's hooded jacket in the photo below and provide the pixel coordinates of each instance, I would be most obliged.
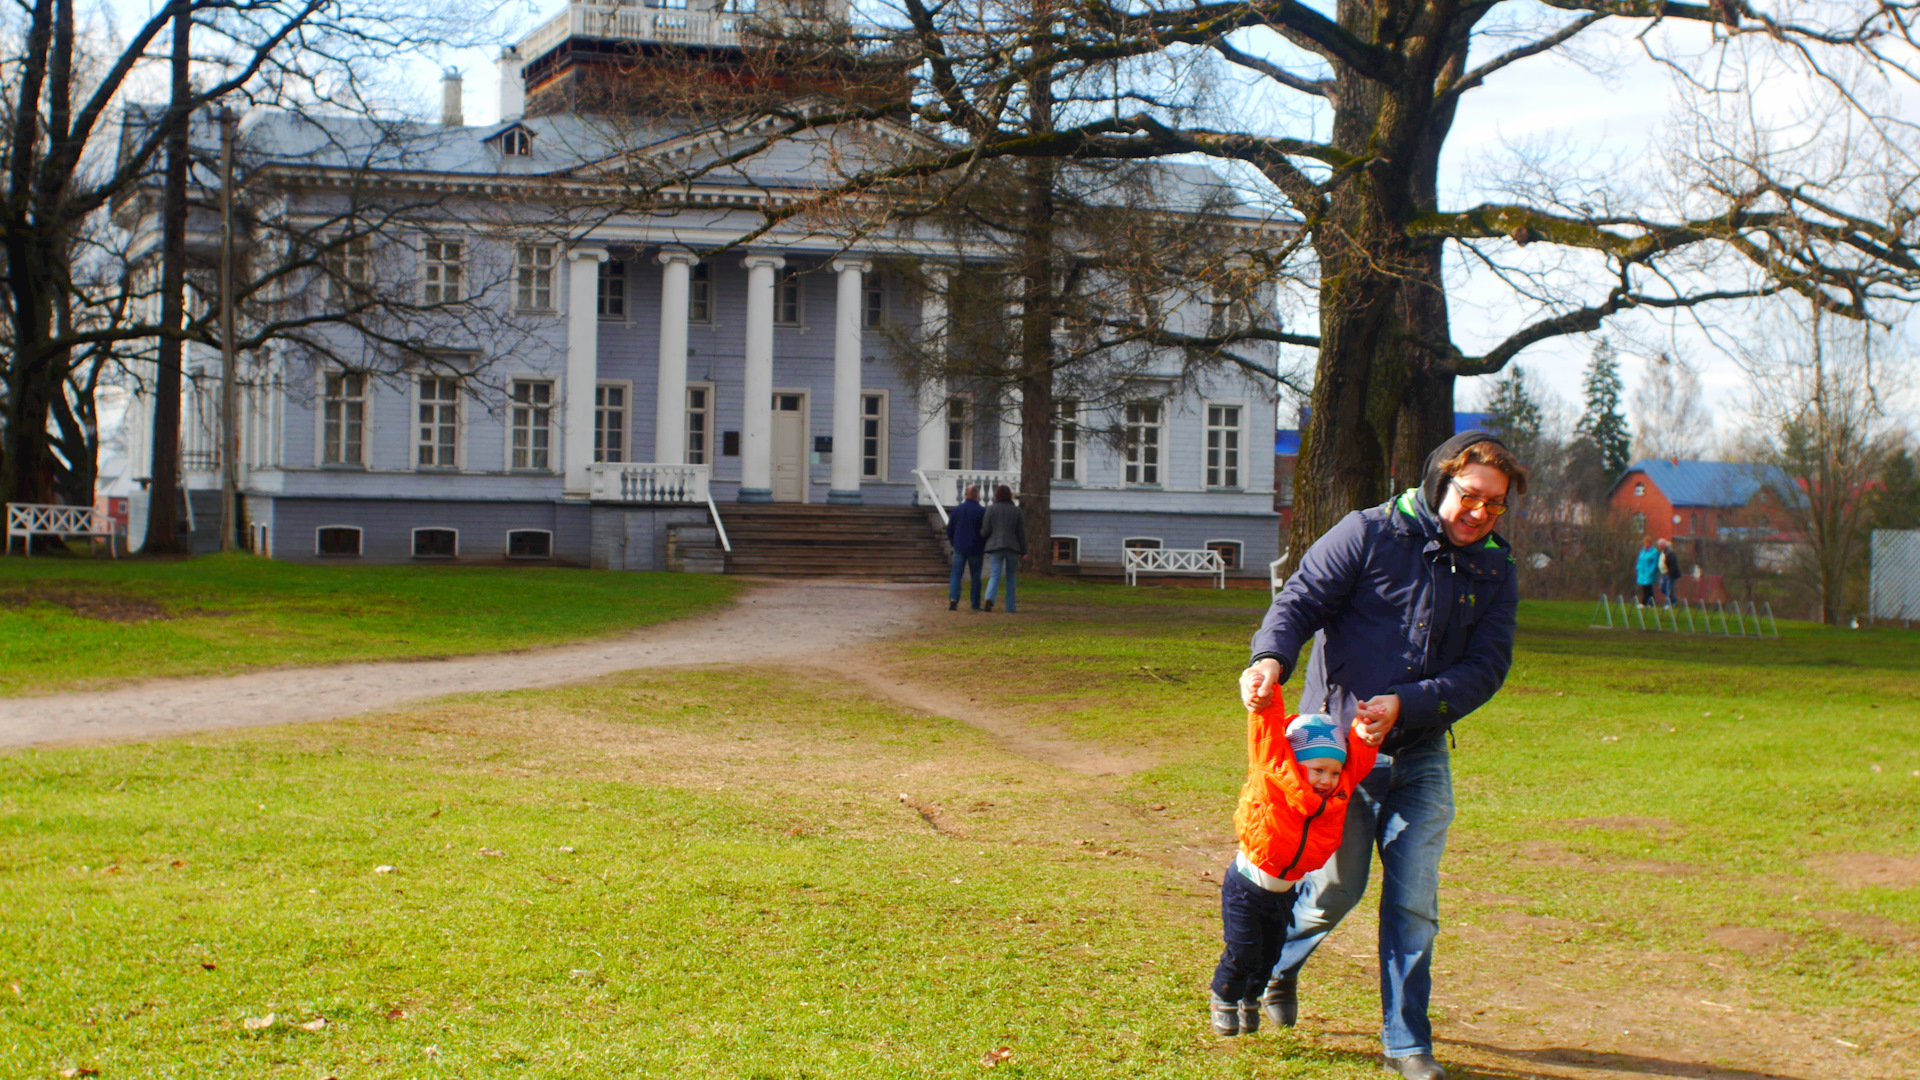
(1393, 607)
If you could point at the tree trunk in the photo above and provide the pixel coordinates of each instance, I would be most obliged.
(163, 520)
(1039, 301)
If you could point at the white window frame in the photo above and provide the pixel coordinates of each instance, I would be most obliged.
(625, 386)
(873, 301)
(360, 549)
(612, 272)
(437, 285)
(1639, 488)
(1136, 473)
(413, 545)
(1158, 544)
(1078, 547)
(966, 432)
(710, 449)
(700, 294)
(516, 141)
(1056, 444)
(366, 415)
(512, 425)
(880, 450)
(1239, 430)
(459, 422)
(793, 278)
(350, 266)
(1240, 559)
(534, 264)
(507, 545)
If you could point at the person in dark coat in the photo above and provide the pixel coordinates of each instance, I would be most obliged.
(1410, 606)
(1003, 533)
(963, 532)
(1669, 569)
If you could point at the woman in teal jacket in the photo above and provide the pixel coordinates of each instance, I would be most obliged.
(1646, 570)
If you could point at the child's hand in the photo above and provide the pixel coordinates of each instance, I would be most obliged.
(1365, 734)
(1258, 683)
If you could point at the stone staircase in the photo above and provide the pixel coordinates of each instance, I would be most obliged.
(887, 543)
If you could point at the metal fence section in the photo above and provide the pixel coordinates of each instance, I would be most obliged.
(1700, 618)
(1895, 576)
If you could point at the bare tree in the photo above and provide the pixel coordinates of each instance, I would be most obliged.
(1669, 419)
(1822, 403)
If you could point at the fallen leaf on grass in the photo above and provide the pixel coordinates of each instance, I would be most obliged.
(995, 1057)
(396, 1013)
(431, 1051)
(491, 853)
(178, 863)
(566, 851)
(318, 1023)
(84, 1070)
(383, 869)
(209, 965)
(258, 1023)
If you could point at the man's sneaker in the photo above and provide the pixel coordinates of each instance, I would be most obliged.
(1281, 1001)
(1250, 1016)
(953, 605)
(1225, 1014)
(989, 605)
(1414, 1067)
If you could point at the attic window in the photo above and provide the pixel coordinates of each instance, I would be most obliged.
(1639, 489)
(516, 142)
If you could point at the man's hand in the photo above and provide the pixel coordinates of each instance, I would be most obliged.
(1380, 714)
(1258, 682)
(1361, 732)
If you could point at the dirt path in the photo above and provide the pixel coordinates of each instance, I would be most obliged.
(786, 621)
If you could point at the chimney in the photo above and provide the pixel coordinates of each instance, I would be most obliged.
(513, 85)
(450, 99)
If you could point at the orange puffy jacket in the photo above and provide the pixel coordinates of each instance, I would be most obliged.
(1285, 828)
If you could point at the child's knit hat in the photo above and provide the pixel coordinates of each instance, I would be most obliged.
(1315, 735)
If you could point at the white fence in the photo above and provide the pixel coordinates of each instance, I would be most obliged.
(1176, 561)
(28, 520)
(651, 482)
(1894, 582)
(946, 487)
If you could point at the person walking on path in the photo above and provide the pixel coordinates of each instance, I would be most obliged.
(1646, 569)
(1410, 606)
(1669, 569)
(1003, 534)
(963, 533)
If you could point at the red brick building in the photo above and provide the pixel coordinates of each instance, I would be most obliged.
(1695, 502)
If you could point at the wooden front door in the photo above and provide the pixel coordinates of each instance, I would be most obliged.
(789, 448)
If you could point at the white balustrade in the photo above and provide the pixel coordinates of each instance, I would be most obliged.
(946, 487)
(628, 23)
(643, 481)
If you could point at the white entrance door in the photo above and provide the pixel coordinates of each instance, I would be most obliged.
(789, 448)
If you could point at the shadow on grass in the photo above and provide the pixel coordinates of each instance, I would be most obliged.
(1569, 1057)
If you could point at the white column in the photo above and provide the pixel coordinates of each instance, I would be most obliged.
(844, 489)
(583, 365)
(670, 387)
(756, 425)
(931, 448)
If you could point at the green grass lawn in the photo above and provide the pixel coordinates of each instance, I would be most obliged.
(770, 875)
(75, 622)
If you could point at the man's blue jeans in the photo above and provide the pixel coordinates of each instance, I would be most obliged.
(965, 562)
(1001, 568)
(1404, 807)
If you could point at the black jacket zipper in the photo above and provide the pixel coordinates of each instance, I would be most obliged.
(1305, 828)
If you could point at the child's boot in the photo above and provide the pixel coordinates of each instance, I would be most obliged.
(1282, 999)
(1226, 1015)
(1250, 1016)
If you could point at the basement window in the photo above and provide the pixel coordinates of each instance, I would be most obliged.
(337, 541)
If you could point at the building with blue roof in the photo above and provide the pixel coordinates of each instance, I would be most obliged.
(1693, 502)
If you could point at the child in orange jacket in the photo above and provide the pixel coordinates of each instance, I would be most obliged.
(1301, 772)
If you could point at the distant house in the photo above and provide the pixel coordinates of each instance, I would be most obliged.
(1693, 503)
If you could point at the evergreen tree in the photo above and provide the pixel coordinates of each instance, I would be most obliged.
(1513, 413)
(1604, 425)
(1896, 505)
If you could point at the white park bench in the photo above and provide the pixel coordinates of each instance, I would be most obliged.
(28, 520)
(1175, 561)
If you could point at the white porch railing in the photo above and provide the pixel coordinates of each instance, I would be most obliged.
(649, 482)
(632, 23)
(946, 487)
(1176, 561)
(28, 520)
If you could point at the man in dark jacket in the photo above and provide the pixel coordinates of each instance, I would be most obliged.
(963, 532)
(1410, 606)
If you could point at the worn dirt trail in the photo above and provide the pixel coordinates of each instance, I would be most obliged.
(785, 622)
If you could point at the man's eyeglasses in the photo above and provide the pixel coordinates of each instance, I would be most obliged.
(1475, 502)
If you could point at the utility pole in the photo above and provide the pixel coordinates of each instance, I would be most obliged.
(229, 426)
